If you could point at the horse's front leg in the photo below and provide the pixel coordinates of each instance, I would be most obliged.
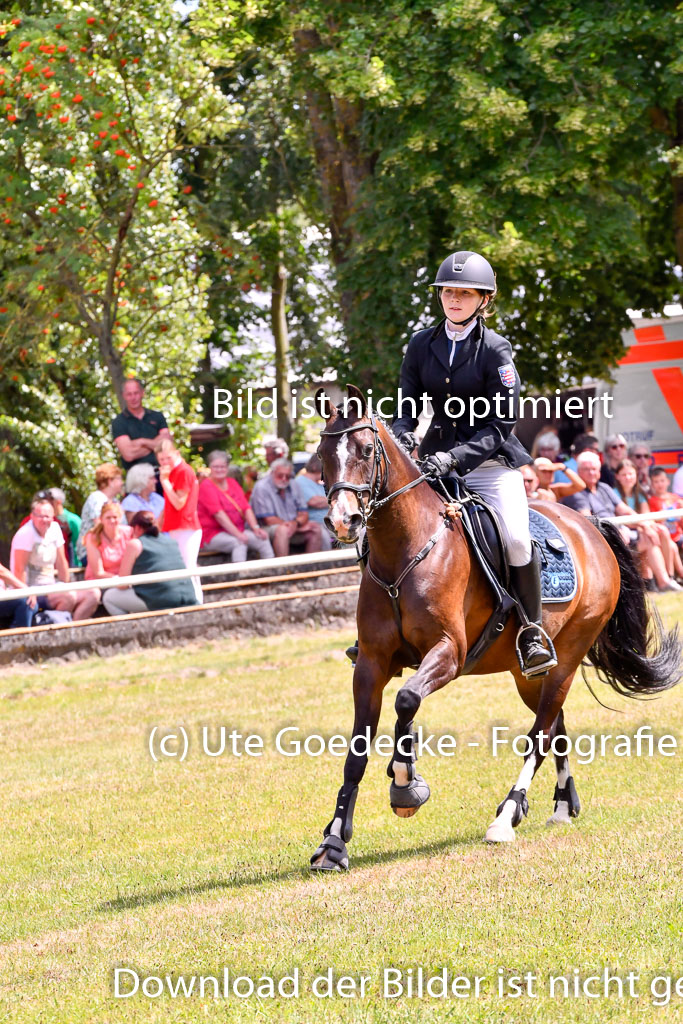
(408, 790)
(369, 679)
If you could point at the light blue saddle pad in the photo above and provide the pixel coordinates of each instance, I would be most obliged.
(558, 575)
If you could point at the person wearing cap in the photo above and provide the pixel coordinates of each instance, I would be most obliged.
(553, 489)
(461, 358)
(615, 450)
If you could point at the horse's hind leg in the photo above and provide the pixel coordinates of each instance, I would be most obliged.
(408, 790)
(567, 805)
(515, 806)
(369, 680)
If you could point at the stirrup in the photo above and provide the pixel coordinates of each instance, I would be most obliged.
(541, 667)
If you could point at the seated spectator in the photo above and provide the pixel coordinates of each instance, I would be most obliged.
(530, 482)
(309, 484)
(629, 489)
(276, 448)
(581, 443)
(547, 471)
(641, 456)
(149, 551)
(16, 612)
(141, 496)
(599, 499)
(38, 558)
(179, 518)
(106, 543)
(109, 482)
(66, 518)
(228, 524)
(546, 444)
(615, 451)
(249, 478)
(662, 498)
(279, 509)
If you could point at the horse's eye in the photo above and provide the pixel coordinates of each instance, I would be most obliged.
(367, 451)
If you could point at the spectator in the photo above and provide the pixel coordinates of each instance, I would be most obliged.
(149, 551)
(661, 498)
(547, 471)
(581, 443)
(141, 491)
(16, 612)
(629, 489)
(228, 524)
(37, 559)
(249, 478)
(615, 451)
(106, 543)
(109, 482)
(641, 455)
(279, 509)
(276, 448)
(546, 444)
(180, 519)
(137, 431)
(68, 519)
(599, 499)
(312, 492)
(530, 482)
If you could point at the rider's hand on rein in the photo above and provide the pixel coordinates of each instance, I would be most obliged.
(437, 465)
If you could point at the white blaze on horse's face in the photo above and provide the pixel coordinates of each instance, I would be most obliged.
(344, 504)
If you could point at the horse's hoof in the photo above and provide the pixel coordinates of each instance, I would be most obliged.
(331, 855)
(560, 817)
(500, 832)
(407, 800)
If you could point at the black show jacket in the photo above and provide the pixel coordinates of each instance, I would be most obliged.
(482, 368)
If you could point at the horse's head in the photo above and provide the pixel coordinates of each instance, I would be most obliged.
(351, 453)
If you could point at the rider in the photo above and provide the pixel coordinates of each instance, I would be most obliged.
(460, 358)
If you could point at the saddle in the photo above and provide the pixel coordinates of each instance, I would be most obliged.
(483, 531)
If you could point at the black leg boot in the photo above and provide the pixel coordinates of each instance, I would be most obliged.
(535, 649)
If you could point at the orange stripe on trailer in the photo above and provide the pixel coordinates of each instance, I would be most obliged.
(653, 353)
(650, 333)
(670, 380)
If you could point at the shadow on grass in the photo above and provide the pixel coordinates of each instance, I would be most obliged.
(291, 874)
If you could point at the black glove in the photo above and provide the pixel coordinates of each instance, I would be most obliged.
(408, 441)
(437, 465)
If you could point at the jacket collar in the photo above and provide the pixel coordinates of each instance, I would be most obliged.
(440, 345)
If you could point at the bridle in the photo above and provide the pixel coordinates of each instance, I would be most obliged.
(378, 478)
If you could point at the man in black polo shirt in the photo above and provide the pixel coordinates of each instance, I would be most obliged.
(137, 430)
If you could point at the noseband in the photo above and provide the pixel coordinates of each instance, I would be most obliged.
(378, 479)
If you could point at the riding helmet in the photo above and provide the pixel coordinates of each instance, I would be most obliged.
(465, 270)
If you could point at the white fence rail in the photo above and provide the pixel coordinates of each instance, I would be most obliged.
(226, 569)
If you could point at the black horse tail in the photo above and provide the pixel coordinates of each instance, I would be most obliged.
(634, 654)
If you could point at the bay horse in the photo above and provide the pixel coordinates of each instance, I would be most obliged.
(442, 603)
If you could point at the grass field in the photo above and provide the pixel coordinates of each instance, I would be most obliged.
(109, 858)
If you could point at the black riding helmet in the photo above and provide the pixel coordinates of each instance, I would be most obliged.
(465, 270)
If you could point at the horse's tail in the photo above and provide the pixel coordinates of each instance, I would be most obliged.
(634, 654)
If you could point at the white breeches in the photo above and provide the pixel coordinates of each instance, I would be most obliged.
(503, 489)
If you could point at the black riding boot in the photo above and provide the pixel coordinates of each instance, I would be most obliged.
(535, 649)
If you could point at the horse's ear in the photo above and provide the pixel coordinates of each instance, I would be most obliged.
(323, 404)
(356, 401)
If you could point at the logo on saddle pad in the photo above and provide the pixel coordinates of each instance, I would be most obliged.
(507, 375)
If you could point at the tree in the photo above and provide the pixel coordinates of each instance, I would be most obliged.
(525, 133)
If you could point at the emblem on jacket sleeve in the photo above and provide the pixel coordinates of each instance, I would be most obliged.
(507, 375)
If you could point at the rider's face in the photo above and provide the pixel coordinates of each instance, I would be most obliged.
(460, 303)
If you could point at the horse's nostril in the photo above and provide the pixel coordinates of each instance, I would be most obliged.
(328, 524)
(355, 522)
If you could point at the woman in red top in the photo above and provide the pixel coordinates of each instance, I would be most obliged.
(228, 523)
(179, 518)
(106, 543)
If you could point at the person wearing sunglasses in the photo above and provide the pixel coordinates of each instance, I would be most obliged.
(614, 452)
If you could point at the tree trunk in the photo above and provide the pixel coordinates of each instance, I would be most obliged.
(278, 315)
(677, 183)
